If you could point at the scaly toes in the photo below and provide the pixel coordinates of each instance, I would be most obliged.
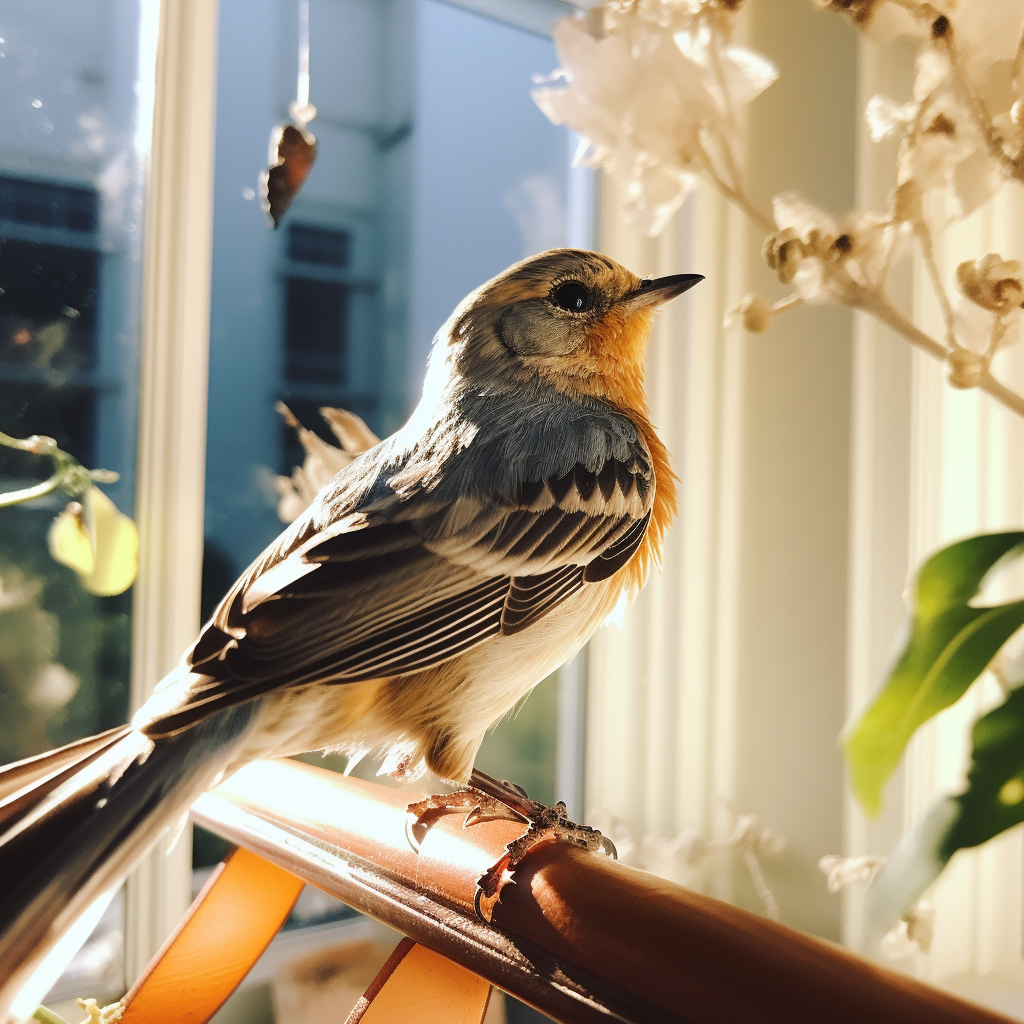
(475, 805)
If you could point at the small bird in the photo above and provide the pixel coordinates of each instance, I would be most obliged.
(428, 587)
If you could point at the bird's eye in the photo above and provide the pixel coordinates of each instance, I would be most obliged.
(572, 296)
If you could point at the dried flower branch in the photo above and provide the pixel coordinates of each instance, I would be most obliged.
(659, 93)
(913, 932)
(682, 857)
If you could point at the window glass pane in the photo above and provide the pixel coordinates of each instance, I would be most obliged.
(73, 153)
(318, 245)
(435, 171)
(316, 319)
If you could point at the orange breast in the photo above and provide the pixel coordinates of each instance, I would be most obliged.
(664, 511)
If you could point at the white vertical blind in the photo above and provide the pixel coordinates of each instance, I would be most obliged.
(931, 465)
(725, 690)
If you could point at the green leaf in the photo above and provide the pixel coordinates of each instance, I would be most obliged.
(992, 802)
(47, 1016)
(994, 798)
(951, 643)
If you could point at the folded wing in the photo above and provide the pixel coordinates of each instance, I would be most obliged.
(396, 586)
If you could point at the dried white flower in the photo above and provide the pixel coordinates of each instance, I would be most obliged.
(846, 871)
(323, 460)
(878, 19)
(657, 97)
(886, 117)
(992, 282)
(96, 1014)
(811, 246)
(754, 312)
(913, 932)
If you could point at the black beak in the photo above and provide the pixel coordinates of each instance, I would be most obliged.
(653, 292)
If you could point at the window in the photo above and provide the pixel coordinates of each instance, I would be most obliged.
(49, 281)
(316, 331)
(318, 308)
(322, 246)
(422, 189)
(72, 207)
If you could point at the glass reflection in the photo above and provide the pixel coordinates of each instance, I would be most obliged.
(72, 189)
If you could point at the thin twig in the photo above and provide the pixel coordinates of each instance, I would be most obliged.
(40, 490)
(995, 338)
(731, 165)
(871, 302)
(979, 112)
(1001, 392)
(761, 221)
(68, 473)
(924, 237)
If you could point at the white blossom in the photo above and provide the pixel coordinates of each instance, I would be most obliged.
(879, 20)
(753, 312)
(886, 117)
(816, 253)
(993, 283)
(842, 872)
(944, 147)
(322, 460)
(913, 932)
(657, 98)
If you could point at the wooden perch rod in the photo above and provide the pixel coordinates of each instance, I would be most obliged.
(580, 937)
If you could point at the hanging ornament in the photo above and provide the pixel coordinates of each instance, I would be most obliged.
(292, 146)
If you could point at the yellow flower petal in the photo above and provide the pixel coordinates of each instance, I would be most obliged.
(69, 541)
(117, 549)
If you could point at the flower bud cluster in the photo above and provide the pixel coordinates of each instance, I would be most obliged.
(993, 283)
(964, 368)
(754, 312)
(858, 11)
(785, 250)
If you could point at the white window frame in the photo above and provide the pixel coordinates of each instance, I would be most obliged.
(172, 409)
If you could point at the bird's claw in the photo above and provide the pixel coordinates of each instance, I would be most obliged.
(477, 806)
(547, 825)
(550, 826)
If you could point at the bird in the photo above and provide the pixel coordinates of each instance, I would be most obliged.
(428, 587)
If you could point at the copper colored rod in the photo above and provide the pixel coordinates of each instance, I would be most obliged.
(580, 937)
(562, 990)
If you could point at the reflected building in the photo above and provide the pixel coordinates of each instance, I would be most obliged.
(435, 171)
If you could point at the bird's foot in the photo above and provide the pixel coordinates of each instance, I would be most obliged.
(487, 799)
(477, 805)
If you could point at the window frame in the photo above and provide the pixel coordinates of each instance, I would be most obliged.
(172, 405)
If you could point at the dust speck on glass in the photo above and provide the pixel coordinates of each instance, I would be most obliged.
(73, 159)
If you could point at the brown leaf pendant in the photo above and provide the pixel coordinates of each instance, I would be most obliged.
(294, 150)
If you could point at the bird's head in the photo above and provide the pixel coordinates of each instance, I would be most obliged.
(577, 319)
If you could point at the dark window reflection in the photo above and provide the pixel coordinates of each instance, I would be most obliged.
(316, 331)
(49, 282)
(319, 245)
(48, 205)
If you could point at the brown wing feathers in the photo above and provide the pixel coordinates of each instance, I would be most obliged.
(387, 597)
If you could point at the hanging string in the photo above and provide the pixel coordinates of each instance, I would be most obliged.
(292, 146)
(302, 111)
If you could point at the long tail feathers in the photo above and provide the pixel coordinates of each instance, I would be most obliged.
(74, 821)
